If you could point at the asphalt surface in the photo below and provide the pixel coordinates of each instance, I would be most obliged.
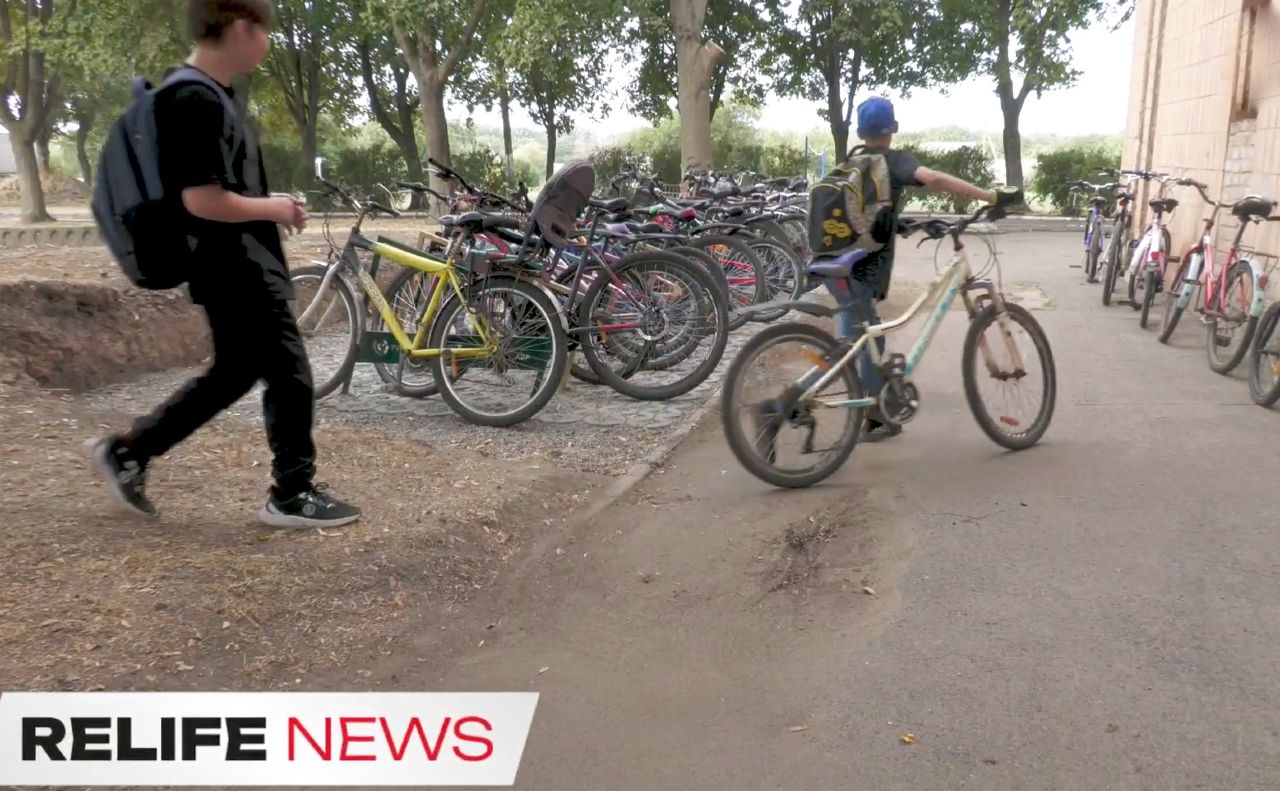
(1098, 612)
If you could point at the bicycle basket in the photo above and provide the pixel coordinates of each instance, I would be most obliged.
(561, 201)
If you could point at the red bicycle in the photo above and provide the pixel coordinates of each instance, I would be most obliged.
(1231, 301)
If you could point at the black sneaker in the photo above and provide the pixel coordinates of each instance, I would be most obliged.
(766, 425)
(126, 479)
(312, 508)
(875, 431)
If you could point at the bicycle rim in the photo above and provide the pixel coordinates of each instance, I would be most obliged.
(521, 375)
(1011, 398)
(791, 445)
(1229, 334)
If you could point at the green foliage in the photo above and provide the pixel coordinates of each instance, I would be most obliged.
(609, 161)
(837, 48)
(482, 168)
(783, 159)
(1055, 168)
(965, 162)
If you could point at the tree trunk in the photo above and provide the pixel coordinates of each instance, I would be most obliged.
(437, 126)
(82, 153)
(835, 113)
(42, 151)
(310, 145)
(504, 103)
(695, 65)
(28, 166)
(551, 149)
(1012, 142)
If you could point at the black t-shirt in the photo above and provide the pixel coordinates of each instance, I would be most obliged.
(231, 260)
(876, 269)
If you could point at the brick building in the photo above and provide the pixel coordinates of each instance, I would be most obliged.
(1204, 101)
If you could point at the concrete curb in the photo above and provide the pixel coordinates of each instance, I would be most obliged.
(61, 235)
(637, 473)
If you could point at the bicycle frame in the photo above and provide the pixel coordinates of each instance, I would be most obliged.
(446, 278)
(956, 279)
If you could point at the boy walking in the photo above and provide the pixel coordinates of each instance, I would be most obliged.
(238, 276)
(870, 279)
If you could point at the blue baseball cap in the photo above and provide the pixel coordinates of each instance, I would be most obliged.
(875, 118)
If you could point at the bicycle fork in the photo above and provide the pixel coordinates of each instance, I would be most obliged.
(975, 306)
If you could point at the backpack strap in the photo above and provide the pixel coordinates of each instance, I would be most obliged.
(233, 123)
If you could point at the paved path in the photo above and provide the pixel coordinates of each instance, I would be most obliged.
(1098, 612)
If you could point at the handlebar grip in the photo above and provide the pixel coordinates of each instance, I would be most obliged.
(415, 186)
(384, 209)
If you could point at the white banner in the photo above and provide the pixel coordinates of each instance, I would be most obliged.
(263, 738)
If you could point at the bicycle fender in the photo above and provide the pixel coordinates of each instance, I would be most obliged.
(1259, 296)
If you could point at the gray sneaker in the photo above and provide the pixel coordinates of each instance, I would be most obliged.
(312, 508)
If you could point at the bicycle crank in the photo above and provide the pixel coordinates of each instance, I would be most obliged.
(899, 402)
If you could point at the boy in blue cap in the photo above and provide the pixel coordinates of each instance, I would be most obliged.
(871, 275)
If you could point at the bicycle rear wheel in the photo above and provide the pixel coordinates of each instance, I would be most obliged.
(1264, 361)
(1229, 335)
(762, 420)
(1173, 306)
(989, 359)
(654, 329)
(515, 382)
(782, 271)
(743, 269)
(1148, 296)
(329, 323)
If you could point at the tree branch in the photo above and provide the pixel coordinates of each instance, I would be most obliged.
(464, 41)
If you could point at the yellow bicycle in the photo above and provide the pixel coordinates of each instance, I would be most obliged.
(495, 343)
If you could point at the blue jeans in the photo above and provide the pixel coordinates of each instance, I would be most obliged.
(858, 307)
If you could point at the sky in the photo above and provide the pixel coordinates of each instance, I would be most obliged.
(1095, 104)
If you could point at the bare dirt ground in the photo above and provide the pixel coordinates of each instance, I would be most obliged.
(204, 597)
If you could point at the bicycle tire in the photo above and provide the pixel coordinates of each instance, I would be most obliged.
(969, 369)
(1148, 296)
(394, 374)
(741, 294)
(1172, 311)
(1111, 274)
(789, 283)
(1268, 335)
(356, 322)
(709, 263)
(797, 229)
(743, 447)
(1225, 365)
(1134, 303)
(718, 322)
(1092, 255)
(547, 385)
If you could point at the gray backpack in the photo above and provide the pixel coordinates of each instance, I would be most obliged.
(846, 205)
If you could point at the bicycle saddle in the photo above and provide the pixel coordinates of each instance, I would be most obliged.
(1254, 206)
(1164, 204)
(612, 205)
(837, 266)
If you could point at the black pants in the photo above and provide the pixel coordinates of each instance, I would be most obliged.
(253, 339)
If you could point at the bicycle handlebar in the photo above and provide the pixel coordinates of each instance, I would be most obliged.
(353, 202)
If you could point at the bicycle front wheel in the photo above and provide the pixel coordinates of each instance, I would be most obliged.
(1174, 304)
(780, 440)
(1231, 332)
(516, 379)
(1264, 362)
(409, 295)
(329, 323)
(782, 274)
(1009, 377)
(1111, 274)
(1148, 296)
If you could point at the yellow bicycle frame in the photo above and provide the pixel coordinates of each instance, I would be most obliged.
(445, 278)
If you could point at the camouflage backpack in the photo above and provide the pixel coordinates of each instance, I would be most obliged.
(846, 205)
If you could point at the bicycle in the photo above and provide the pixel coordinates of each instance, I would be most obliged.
(1231, 299)
(1152, 247)
(1093, 230)
(473, 317)
(818, 361)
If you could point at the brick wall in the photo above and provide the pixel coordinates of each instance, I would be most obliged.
(1191, 67)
